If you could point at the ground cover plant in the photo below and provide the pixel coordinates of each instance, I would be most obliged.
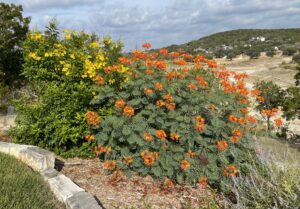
(173, 122)
(22, 188)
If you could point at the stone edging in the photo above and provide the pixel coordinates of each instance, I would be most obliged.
(43, 161)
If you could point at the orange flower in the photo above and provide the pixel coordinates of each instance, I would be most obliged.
(161, 65)
(147, 137)
(184, 165)
(148, 71)
(168, 97)
(180, 62)
(114, 68)
(161, 134)
(146, 45)
(120, 103)
(168, 184)
(128, 111)
(139, 54)
(124, 60)
(171, 106)
(92, 117)
(260, 98)
(237, 135)
(99, 80)
(90, 138)
(252, 119)
(109, 165)
(278, 122)
(163, 51)
(244, 101)
(203, 182)
(171, 75)
(233, 118)
(158, 86)
(174, 136)
(222, 145)
(191, 154)
(101, 149)
(148, 157)
(244, 110)
(160, 103)
(199, 123)
(230, 170)
(128, 160)
(192, 86)
(148, 91)
(242, 121)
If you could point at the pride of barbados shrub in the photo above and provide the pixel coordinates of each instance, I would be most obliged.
(61, 70)
(177, 117)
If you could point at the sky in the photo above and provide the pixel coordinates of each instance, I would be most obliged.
(161, 22)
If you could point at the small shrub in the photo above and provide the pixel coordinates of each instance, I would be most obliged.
(178, 121)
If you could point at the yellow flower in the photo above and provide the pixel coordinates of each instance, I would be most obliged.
(123, 69)
(94, 45)
(34, 56)
(48, 54)
(68, 36)
(72, 56)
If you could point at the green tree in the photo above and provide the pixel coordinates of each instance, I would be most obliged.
(13, 30)
(273, 98)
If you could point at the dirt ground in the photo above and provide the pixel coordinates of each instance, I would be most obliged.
(135, 192)
(278, 69)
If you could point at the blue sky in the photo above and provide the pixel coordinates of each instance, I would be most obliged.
(161, 22)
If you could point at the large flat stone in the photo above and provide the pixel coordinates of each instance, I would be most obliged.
(37, 158)
(63, 187)
(15, 150)
(49, 173)
(82, 200)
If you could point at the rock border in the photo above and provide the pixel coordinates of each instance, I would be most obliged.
(43, 162)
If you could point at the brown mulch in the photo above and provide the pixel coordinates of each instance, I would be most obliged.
(135, 192)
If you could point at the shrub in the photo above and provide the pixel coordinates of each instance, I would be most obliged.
(173, 120)
(270, 99)
(61, 70)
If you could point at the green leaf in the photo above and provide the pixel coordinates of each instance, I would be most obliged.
(126, 130)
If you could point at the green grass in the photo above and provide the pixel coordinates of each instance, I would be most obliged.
(22, 188)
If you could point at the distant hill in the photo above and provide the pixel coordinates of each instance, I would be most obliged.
(244, 41)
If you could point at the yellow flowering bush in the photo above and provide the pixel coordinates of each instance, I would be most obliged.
(62, 69)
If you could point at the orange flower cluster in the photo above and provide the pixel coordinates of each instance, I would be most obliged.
(92, 117)
(124, 60)
(170, 105)
(180, 62)
(201, 81)
(199, 123)
(161, 134)
(160, 103)
(168, 184)
(222, 145)
(147, 137)
(174, 136)
(236, 136)
(148, 91)
(240, 76)
(110, 165)
(139, 54)
(192, 87)
(191, 154)
(101, 149)
(168, 97)
(90, 138)
(163, 51)
(184, 165)
(148, 71)
(233, 118)
(128, 111)
(269, 113)
(158, 86)
(128, 160)
(146, 45)
(252, 119)
(230, 170)
(203, 182)
(120, 103)
(149, 158)
(244, 110)
(99, 80)
(278, 122)
(113, 68)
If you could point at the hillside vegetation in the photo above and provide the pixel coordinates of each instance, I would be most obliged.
(244, 41)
